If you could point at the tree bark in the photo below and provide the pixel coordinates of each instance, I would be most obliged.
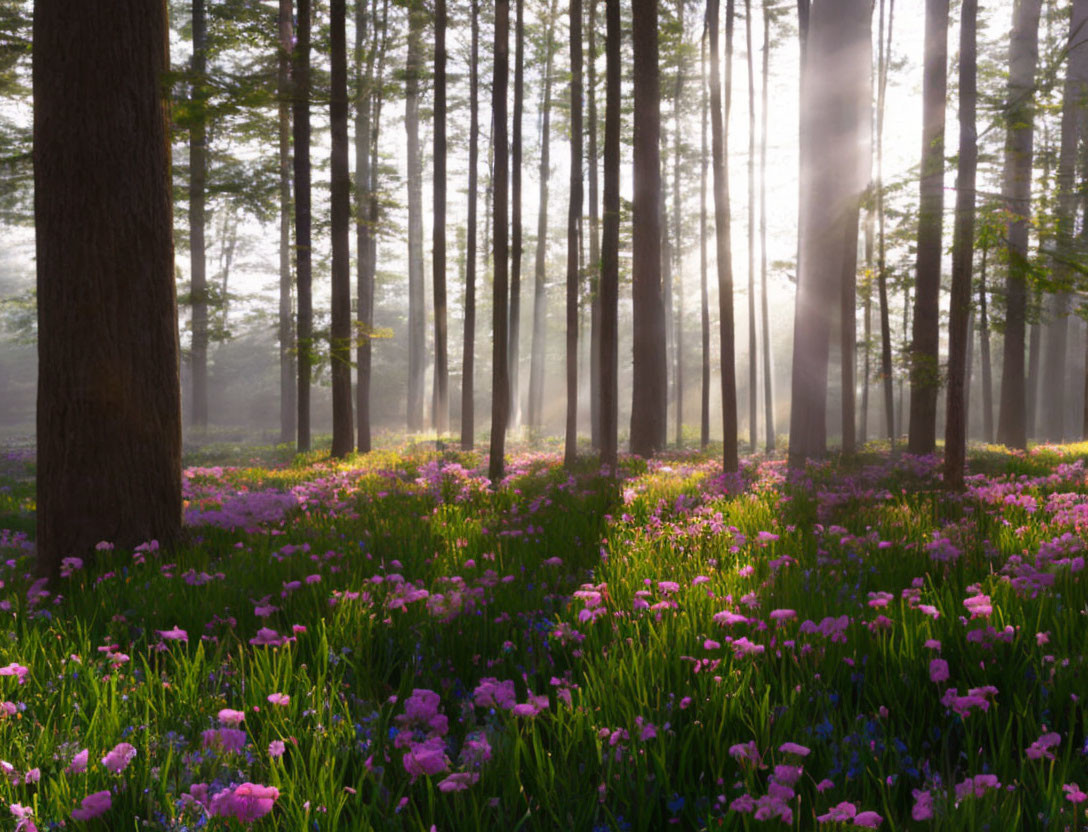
(516, 224)
(925, 377)
(963, 238)
(678, 246)
(594, 237)
(417, 347)
(198, 168)
(301, 78)
(363, 231)
(984, 354)
(109, 399)
(574, 215)
(288, 390)
(500, 380)
(468, 407)
(1020, 134)
(438, 241)
(343, 433)
(768, 378)
(886, 374)
(753, 357)
(610, 242)
(704, 302)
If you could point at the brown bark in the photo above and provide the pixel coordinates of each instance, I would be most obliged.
(441, 357)
(198, 168)
(594, 236)
(610, 240)
(288, 390)
(417, 347)
(343, 433)
(984, 354)
(109, 400)
(883, 60)
(704, 302)
(768, 379)
(753, 357)
(678, 246)
(500, 380)
(468, 407)
(516, 225)
(300, 74)
(574, 215)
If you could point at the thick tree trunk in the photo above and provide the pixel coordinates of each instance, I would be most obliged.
(301, 77)
(516, 225)
(925, 377)
(886, 375)
(753, 357)
(768, 378)
(468, 408)
(438, 241)
(720, 152)
(963, 237)
(540, 297)
(417, 348)
(288, 390)
(109, 399)
(1020, 134)
(500, 380)
(594, 237)
(610, 241)
(198, 168)
(574, 215)
(343, 433)
(704, 301)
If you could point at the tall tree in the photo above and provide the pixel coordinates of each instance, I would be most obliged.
(678, 225)
(610, 241)
(300, 76)
(500, 379)
(288, 390)
(963, 240)
(984, 352)
(719, 121)
(516, 226)
(416, 314)
(198, 172)
(924, 368)
(768, 380)
(441, 359)
(468, 353)
(836, 64)
(753, 357)
(1019, 142)
(704, 301)
(574, 216)
(109, 399)
(364, 69)
(1073, 126)
(343, 428)
(649, 400)
(594, 235)
(540, 298)
(884, 54)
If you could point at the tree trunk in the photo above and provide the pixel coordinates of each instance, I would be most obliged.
(594, 238)
(500, 380)
(343, 433)
(832, 182)
(1035, 342)
(963, 238)
(198, 166)
(516, 225)
(678, 246)
(610, 241)
(883, 60)
(720, 153)
(650, 395)
(363, 231)
(109, 399)
(288, 390)
(438, 241)
(753, 358)
(540, 299)
(925, 377)
(1073, 128)
(301, 78)
(1020, 119)
(768, 379)
(704, 301)
(417, 347)
(574, 215)
(468, 408)
(984, 355)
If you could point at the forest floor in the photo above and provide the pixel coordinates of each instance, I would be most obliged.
(390, 643)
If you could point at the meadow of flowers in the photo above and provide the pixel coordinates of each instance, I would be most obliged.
(392, 643)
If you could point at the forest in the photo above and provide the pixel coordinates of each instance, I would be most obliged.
(445, 415)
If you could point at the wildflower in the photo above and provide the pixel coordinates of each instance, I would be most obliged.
(92, 806)
(458, 782)
(78, 764)
(230, 717)
(276, 749)
(979, 606)
(923, 804)
(24, 818)
(976, 786)
(745, 752)
(1073, 793)
(426, 758)
(793, 748)
(247, 802)
(281, 699)
(16, 670)
(176, 634)
(839, 814)
(1039, 749)
(119, 757)
(869, 820)
(938, 670)
(267, 637)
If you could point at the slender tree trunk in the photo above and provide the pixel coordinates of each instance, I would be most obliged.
(301, 78)
(722, 216)
(678, 246)
(441, 358)
(574, 215)
(753, 358)
(848, 333)
(468, 411)
(500, 380)
(984, 354)
(704, 301)
(610, 241)
(417, 348)
(925, 377)
(109, 398)
(768, 378)
(1035, 342)
(594, 237)
(540, 298)
(365, 279)
(516, 225)
(963, 237)
(883, 60)
(288, 389)
(1073, 128)
(1023, 54)
(343, 434)
(198, 166)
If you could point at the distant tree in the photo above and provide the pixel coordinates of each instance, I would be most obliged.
(109, 400)
(768, 379)
(416, 314)
(704, 300)
(574, 216)
(500, 380)
(753, 356)
(1016, 189)
(592, 165)
(513, 412)
(924, 371)
(884, 49)
(300, 77)
(441, 358)
(468, 411)
(198, 161)
(288, 389)
(610, 240)
(678, 226)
